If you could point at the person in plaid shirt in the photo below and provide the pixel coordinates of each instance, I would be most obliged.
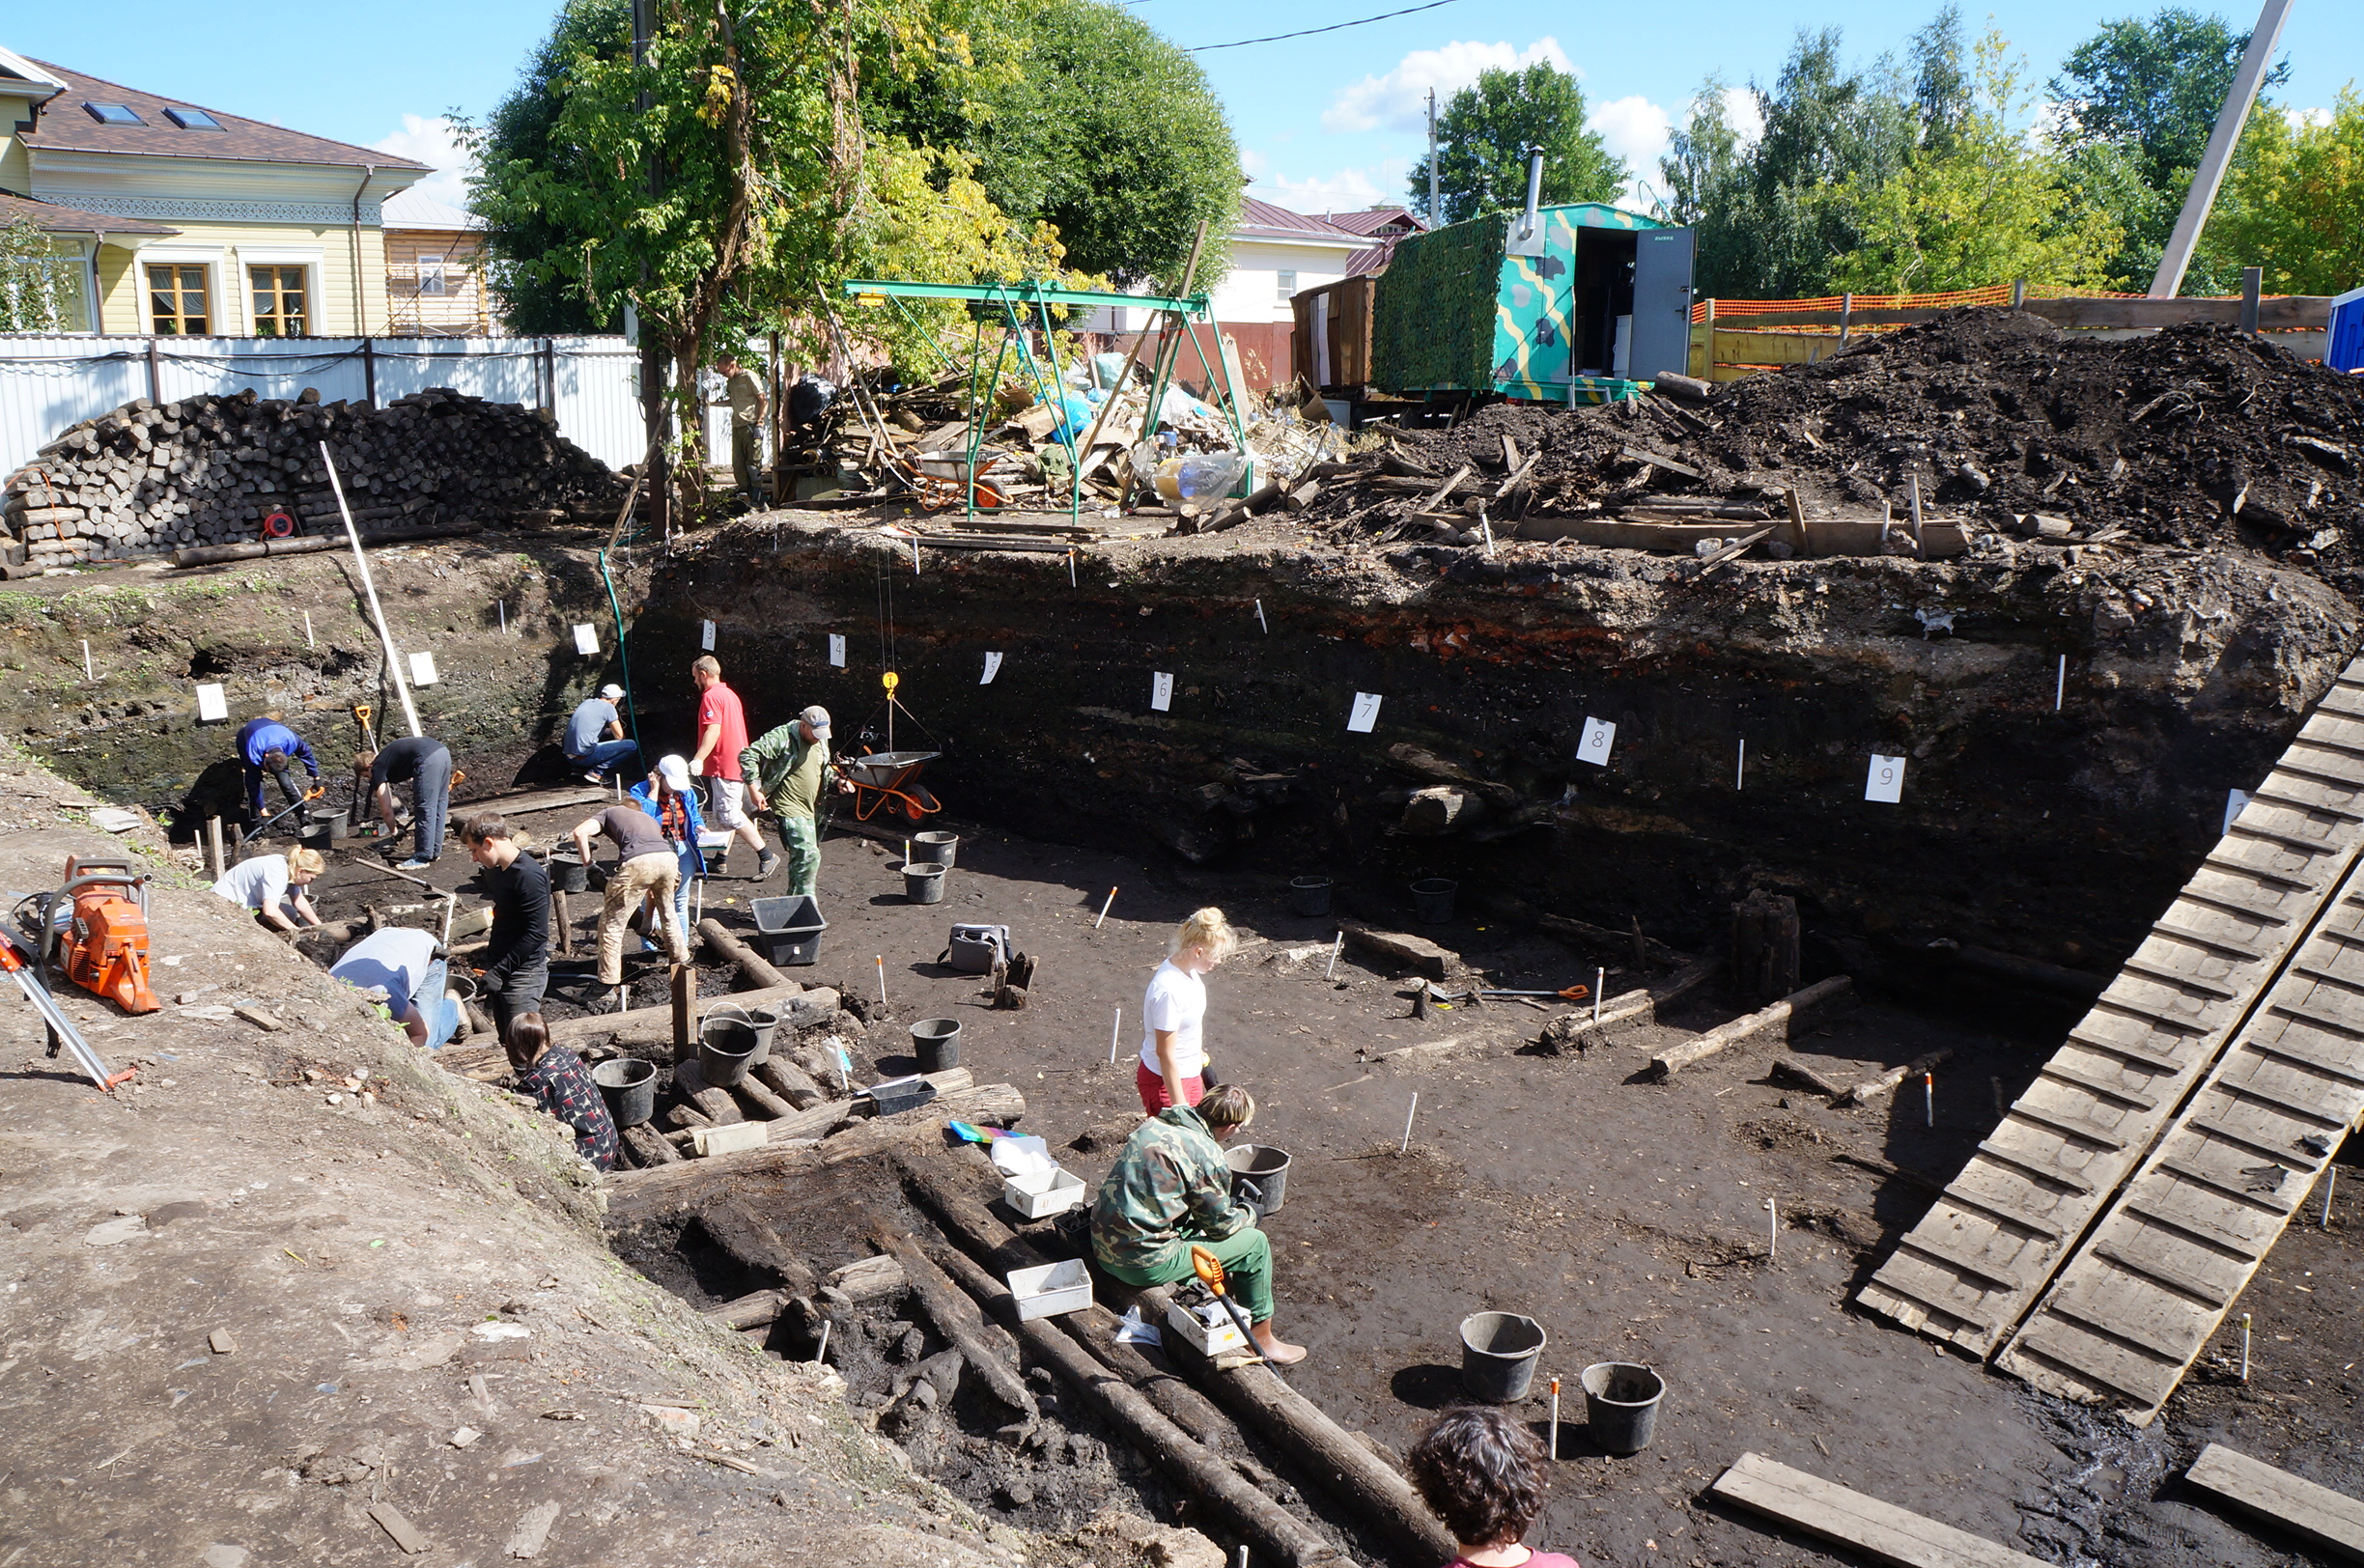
(559, 1082)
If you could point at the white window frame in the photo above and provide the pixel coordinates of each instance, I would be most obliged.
(1285, 284)
(442, 264)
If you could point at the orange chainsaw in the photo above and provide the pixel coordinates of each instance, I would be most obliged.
(102, 939)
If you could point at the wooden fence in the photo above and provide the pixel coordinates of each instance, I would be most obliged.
(1729, 338)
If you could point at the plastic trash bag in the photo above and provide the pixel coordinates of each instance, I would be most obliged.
(1021, 1156)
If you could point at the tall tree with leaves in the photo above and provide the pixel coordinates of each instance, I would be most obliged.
(1486, 131)
(2294, 203)
(37, 284)
(1977, 203)
(2134, 104)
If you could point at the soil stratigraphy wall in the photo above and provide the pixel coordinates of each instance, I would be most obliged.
(2057, 833)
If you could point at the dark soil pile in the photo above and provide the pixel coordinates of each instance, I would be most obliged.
(2194, 437)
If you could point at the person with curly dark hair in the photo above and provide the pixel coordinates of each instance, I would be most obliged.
(1482, 1474)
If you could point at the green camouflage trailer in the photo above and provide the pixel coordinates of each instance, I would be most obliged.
(1587, 307)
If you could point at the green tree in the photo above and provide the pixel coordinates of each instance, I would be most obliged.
(36, 285)
(2292, 203)
(2140, 97)
(1486, 131)
(1978, 204)
(1703, 157)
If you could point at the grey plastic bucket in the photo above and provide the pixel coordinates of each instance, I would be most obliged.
(936, 1041)
(942, 848)
(1499, 1352)
(1267, 1167)
(1310, 895)
(628, 1086)
(1432, 900)
(726, 1050)
(760, 1027)
(1622, 1405)
(923, 881)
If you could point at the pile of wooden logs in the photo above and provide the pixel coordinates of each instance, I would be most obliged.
(146, 479)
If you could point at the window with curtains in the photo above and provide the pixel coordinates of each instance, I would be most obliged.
(279, 308)
(177, 299)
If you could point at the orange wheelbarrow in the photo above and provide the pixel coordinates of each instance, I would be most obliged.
(889, 781)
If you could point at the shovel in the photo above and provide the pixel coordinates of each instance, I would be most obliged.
(1210, 1272)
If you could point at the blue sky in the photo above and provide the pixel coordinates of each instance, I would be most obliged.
(1323, 123)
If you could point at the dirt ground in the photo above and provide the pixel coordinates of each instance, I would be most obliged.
(1628, 1216)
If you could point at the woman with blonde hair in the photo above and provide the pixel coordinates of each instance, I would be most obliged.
(272, 884)
(1174, 1057)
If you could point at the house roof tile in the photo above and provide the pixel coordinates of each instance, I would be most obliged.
(1371, 220)
(1266, 221)
(52, 219)
(65, 126)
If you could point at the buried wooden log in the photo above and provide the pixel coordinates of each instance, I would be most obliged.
(790, 1082)
(957, 1318)
(761, 1103)
(1441, 808)
(1343, 1464)
(940, 1185)
(1822, 993)
(1871, 1089)
(1274, 1533)
(731, 950)
(1798, 1073)
(649, 1147)
(998, 1105)
(1600, 939)
(715, 1104)
(754, 1311)
(733, 1225)
(1417, 954)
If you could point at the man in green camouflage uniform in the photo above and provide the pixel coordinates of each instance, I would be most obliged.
(786, 770)
(1170, 1188)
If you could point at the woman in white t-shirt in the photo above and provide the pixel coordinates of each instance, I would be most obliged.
(268, 881)
(1174, 1057)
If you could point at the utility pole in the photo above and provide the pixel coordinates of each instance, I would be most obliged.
(654, 484)
(1434, 221)
(2169, 279)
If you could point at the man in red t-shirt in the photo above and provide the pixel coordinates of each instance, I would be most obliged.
(723, 733)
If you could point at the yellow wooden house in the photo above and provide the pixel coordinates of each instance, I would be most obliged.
(180, 220)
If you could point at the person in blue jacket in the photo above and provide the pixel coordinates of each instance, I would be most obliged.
(666, 796)
(265, 745)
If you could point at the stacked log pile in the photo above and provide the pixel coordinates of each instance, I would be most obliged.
(147, 478)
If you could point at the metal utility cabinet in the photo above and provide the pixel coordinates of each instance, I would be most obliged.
(1581, 303)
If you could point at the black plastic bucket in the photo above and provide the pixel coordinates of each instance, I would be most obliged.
(1310, 895)
(765, 1020)
(942, 848)
(1622, 1405)
(923, 881)
(628, 1086)
(568, 874)
(936, 1041)
(726, 1050)
(1499, 1352)
(1267, 1167)
(1432, 900)
(761, 1029)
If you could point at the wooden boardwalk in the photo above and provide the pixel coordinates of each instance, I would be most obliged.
(1978, 1262)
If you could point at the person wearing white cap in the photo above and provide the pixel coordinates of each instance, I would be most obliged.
(595, 734)
(666, 796)
(786, 770)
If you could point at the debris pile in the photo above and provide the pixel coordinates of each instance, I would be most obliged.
(147, 478)
(2195, 436)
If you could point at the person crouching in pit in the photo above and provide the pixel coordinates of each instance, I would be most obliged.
(1170, 1188)
(561, 1086)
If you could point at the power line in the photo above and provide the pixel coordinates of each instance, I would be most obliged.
(1309, 32)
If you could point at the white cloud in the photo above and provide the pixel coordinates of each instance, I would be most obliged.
(433, 142)
(1632, 128)
(1344, 190)
(1740, 107)
(2303, 119)
(1399, 99)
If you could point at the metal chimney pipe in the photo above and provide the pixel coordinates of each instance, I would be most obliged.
(1534, 192)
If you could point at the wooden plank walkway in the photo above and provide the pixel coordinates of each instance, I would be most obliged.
(1975, 1266)
(2312, 1513)
(1878, 1530)
(2138, 1302)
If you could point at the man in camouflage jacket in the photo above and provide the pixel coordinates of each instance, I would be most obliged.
(1170, 1188)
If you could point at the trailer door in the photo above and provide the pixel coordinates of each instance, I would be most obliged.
(1661, 341)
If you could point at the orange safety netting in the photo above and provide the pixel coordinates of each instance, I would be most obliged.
(1993, 293)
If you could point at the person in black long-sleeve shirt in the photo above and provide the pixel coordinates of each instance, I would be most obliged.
(517, 958)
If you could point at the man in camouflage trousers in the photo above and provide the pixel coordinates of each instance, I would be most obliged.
(1170, 1188)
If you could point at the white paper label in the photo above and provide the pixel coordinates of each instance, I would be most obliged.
(2235, 799)
(706, 635)
(1887, 780)
(586, 639)
(1366, 712)
(836, 651)
(1599, 735)
(211, 705)
(993, 667)
(423, 670)
(1160, 691)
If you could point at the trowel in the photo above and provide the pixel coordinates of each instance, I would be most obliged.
(1210, 1272)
